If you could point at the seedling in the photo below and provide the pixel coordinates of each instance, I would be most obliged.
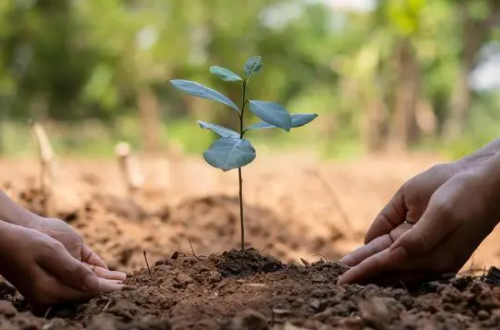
(147, 264)
(232, 150)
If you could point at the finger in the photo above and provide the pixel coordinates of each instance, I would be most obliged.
(60, 264)
(106, 286)
(436, 224)
(90, 257)
(375, 246)
(374, 266)
(106, 273)
(391, 216)
(56, 292)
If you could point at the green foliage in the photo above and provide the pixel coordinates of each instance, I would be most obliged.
(224, 74)
(253, 65)
(232, 151)
(222, 131)
(297, 120)
(272, 113)
(196, 89)
(229, 153)
(70, 62)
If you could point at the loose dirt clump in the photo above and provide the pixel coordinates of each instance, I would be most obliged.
(237, 263)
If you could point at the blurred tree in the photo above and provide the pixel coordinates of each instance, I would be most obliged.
(476, 22)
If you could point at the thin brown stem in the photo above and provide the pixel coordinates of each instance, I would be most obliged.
(242, 222)
(240, 178)
(147, 264)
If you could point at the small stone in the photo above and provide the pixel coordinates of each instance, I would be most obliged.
(298, 303)
(482, 314)
(319, 293)
(100, 322)
(315, 303)
(214, 277)
(184, 279)
(7, 309)
(318, 279)
(377, 312)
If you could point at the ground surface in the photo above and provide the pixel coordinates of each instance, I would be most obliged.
(296, 207)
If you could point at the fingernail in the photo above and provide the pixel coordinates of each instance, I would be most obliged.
(120, 275)
(91, 283)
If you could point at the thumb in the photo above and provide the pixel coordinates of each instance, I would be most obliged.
(72, 272)
(391, 216)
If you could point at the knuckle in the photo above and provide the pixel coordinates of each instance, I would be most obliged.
(443, 209)
(416, 244)
(55, 245)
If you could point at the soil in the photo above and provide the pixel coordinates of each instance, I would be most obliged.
(285, 278)
(249, 291)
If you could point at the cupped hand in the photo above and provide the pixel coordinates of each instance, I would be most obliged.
(75, 245)
(411, 200)
(459, 216)
(43, 271)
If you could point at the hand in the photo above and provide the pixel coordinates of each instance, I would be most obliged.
(411, 200)
(460, 214)
(74, 244)
(43, 271)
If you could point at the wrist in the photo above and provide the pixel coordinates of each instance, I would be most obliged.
(25, 219)
(14, 214)
(476, 159)
(488, 175)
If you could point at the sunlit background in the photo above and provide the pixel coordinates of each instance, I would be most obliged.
(384, 76)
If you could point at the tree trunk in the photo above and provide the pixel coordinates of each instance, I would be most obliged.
(473, 35)
(150, 120)
(407, 92)
(375, 125)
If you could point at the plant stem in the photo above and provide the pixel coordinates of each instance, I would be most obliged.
(242, 223)
(240, 179)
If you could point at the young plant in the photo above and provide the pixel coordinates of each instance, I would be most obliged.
(232, 150)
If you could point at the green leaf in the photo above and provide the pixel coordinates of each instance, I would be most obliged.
(197, 89)
(298, 120)
(229, 153)
(260, 125)
(222, 131)
(272, 113)
(301, 119)
(253, 65)
(224, 74)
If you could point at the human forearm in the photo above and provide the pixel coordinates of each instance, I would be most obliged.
(12, 213)
(481, 155)
(489, 175)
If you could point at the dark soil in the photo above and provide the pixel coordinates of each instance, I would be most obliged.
(188, 292)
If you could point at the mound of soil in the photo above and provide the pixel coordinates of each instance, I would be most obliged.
(245, 290)
(120, 229)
